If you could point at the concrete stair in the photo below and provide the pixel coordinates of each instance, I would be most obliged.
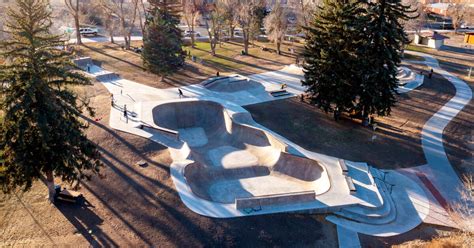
(402, 209)
(405, 74)
(377, 215)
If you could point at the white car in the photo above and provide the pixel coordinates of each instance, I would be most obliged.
(88, 31)
(466, 26)
(188, 33)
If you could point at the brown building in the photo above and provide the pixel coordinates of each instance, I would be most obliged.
(441, 6)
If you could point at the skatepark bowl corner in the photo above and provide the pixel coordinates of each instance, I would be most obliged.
(236, 162)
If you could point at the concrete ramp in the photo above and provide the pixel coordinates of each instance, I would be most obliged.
(236, 161)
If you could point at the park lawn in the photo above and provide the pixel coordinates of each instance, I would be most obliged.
(421, 49)
(407, 56)
(129, 65)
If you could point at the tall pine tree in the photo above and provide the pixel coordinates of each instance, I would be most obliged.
(352, 54)
(331, 55)
(381, 56)
(41, 134)
(162, 41)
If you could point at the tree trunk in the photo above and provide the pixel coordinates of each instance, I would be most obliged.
(192, 31)
(111, 32)
(50, 185)
(78, 27)
(212, 39)
(213, 47)
(278, 44)
(232, 28)
(246, 43)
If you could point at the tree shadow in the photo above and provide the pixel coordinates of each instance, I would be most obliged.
(87, 223)
(126, 143)
(114, 57)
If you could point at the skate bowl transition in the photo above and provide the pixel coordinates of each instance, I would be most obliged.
(232, 84)
(236, 163)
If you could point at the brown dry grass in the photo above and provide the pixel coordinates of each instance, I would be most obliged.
(455, 240)
(135, 206)
(228, 60)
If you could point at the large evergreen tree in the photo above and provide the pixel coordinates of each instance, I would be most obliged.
(331, 55)
(352, 53)
(41, 134)
(162, 41)
(381, 56)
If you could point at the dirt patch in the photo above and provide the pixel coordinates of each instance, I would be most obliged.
(396, 144)
(458, 141)
(138, 206)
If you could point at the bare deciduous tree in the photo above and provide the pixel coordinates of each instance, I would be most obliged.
(228, 8)
(110, 22)
(126, 12)
(305, 11)
(142, 15)
(457, 10)
(246, 18)
(191, 11)
(276, 24)
(217, 17)
(418, 18)
(75, 11)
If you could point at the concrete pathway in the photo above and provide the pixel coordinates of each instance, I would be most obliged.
(347, 238)
(439, 170)
(133, 93)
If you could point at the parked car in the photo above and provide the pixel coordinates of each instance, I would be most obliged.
(188, 33)
(466, 26)
(238, 32)
(88, 31)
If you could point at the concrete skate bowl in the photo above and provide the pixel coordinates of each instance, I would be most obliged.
(232, 84)
(238, 162)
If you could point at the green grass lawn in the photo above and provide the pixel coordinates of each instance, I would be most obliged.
(421, 49)
(407, 56)
(227, 53)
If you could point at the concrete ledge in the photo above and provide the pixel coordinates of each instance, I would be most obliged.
(213, 80)
(278, 93)
(169, 132)
(106, 76)
(83, 62)
(351, 185)
(275, 199)
(343, 166)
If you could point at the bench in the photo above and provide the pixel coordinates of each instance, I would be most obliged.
(342, 164)
(257, 202)
(278, 93)
(351, 185)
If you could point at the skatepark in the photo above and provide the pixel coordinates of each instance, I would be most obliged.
(226, 165)
(234, 162)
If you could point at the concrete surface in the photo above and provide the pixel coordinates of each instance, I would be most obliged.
(234, 160)
(409, 80)
(215, 148)
(410, 204)
(347, 238)
(438, 169)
